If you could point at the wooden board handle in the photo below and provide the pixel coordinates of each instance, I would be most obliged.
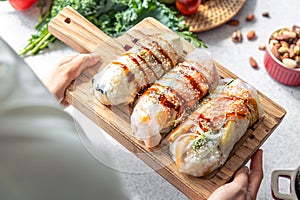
(73, 29)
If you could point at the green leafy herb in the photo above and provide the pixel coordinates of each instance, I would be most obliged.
(200, 141)
(114, 17)
(204, 138)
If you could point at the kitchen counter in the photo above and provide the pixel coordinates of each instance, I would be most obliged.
(282, 148)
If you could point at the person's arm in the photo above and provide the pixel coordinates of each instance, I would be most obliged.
(41, 150)
(66, 71)
(245, 184)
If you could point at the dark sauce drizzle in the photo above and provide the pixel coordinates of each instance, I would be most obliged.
(160, 49)
(199, 92)
(140, 67)
(129, 74)
(150, 65)
(163, 100)
(195, 85)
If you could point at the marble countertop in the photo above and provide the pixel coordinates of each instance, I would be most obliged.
(282, 148)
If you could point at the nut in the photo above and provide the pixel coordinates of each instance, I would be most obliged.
(290, 63)
(285, 46)
(266, 14)
(250, 17)
(296, 29)
(275, 52)
(262, 47)
(253, 63)
(298, 43)
(272, 43)
(290, 34)
(282, 37)
(277, 45)
(286, 55)
(237, 36)
(233, 22)
(251, 35)
(283, 50)
(296, 50)
(292, 51)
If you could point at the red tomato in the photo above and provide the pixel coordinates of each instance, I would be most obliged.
(187, 7)
(21, 4)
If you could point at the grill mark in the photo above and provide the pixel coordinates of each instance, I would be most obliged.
(199, 88)
(149, 64)
(181, 99)
(152, 54)
(133, 59)
(143, 60)
(166, 41)
(199, 92)
(162, 97)
(165, 102)
(161, 50)
(129, 74)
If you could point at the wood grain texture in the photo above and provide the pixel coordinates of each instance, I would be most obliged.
(115, 120)
(76, 31)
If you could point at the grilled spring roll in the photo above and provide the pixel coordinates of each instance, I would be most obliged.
(172, 97)
(203, 142)
(122, 79)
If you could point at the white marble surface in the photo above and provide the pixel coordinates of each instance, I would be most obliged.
(281, 150)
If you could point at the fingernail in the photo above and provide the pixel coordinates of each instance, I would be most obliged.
(246, 169)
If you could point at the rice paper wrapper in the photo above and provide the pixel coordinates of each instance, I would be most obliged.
(204, 141)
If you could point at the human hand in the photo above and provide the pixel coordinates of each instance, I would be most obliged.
(66, 71)
(245, 184)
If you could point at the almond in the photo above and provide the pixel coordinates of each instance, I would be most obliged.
(233, 22)
(253, 63)
(251, 35)
(250, 17)
(275, 52)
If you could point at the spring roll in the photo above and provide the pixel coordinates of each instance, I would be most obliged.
(168, 101)
(204, 141)
(121, 80)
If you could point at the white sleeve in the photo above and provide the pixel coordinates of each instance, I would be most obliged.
(41, 156)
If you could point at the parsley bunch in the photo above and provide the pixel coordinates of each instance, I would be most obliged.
(114, 17)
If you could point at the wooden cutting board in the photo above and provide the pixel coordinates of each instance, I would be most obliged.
(71, 28)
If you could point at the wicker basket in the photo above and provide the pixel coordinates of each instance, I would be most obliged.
(213, 13)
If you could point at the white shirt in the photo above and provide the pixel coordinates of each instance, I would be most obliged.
(41, 156)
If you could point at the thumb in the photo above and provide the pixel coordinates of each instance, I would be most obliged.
(88, 60)
(81, 62)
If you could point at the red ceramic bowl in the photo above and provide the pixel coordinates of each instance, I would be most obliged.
(279, 71)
